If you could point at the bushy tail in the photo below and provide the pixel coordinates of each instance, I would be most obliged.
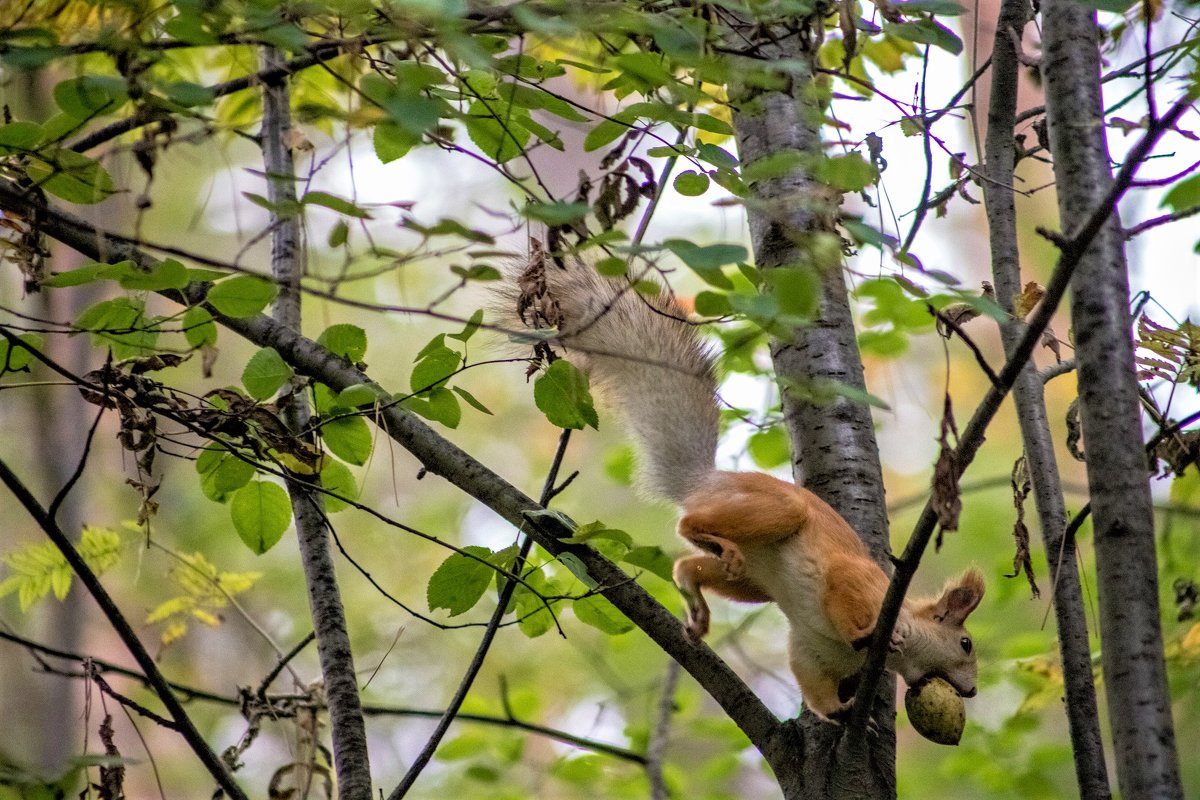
(642, 357)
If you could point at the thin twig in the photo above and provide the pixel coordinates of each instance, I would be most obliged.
(968, 341)
(657, 747)
(59, 498)
(489, 634)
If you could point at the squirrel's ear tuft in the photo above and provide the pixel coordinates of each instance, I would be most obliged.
(960, 597)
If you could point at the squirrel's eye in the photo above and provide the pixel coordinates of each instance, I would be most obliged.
(966, 644)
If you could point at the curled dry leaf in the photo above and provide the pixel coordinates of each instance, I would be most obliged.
(1027, 299)
(1022, 562)
(947, 498)
(1074, 431)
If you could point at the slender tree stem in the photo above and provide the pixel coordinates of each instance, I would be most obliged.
(485, 644)
(348, 730)
(1072, 251)
(1070, 613)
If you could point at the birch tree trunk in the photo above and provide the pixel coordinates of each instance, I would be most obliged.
(1069, 612)
(834, 449)
(1132, 648)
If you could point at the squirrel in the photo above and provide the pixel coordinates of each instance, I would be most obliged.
(759, 539)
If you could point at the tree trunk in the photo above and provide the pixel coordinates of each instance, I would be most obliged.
(1127, 576)
(835, 453)
(1074, 646)
(348, 730)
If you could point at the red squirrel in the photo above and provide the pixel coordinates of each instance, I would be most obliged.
(761, 539)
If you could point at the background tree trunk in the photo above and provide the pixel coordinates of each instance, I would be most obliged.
(1131, 636)
(1069, 612)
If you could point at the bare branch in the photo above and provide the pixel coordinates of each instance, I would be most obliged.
(121, 625)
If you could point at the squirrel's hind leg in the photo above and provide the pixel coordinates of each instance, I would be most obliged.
(695, 572)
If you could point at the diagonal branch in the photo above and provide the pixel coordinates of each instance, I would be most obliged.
(1072, 250)
(145, 661)
(485, 643)
(442, 457)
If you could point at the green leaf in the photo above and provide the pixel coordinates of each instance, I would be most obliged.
(358, 395)
(691, 183)
(15, 359)
(947, 8)
(470, 328)
(651, 559)
(578, 569)
(717, 156)
(89, 96)
(393, 142)
(769, 448)
(338, 234)
(561, 392)
(242, 295)
(265, 372)
(20, 137)
(222, 473)
(337, 478)
(849, 173)
(198, 327)
(75, 277)
(927, 31)
(72, 176)
(556, 213)
(334, 203)
(348, 438)
(442, 406)
(598, 612)
(1183, 195)
(189, 95)
(501, 139)
(533, 617)
(471, 400)
(167, 274)
(261, 512)
(345, 340)
(707, 261)
(607, 131)
(586, 534)
(796, 290)
(712, 304)
(1111, 6)
(460, 581)
(434, 369)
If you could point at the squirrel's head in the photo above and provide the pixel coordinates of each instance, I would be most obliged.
(938, 643)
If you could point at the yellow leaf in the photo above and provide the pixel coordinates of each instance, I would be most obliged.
(169, 608)
(208, 619)
(174, 631)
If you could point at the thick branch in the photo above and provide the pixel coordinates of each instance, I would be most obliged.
(1074, 645)
(115, 618)
(347, 729)
(444, 458)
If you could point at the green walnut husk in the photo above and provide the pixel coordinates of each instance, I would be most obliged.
(936, 710)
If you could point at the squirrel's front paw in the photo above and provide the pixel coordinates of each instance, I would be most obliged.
(901, 632)
(696, 626)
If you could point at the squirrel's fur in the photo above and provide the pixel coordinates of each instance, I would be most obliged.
(760, 538)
